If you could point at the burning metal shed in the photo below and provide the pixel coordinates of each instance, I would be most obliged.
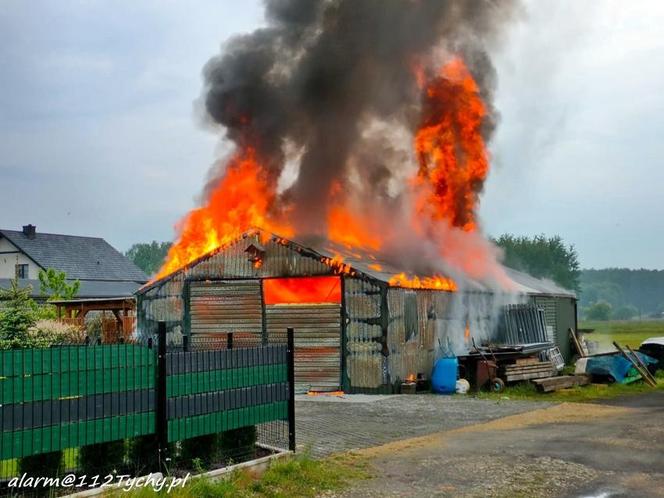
(354, 330)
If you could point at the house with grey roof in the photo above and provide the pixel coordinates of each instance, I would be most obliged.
(103, 271)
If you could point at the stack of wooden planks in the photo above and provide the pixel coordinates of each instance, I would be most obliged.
(527, 369)
(549, 384)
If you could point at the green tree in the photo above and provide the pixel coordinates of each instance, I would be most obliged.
(625, 312)
(18, 314)
(53, 283)
(148, 256)
(599, 311)
(542, 257)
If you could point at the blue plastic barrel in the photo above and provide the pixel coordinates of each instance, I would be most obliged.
(444, 376)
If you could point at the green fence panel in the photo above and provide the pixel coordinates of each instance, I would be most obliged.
(55, 373)
(220, 380)
(19, 362)
(189, 427)
(58, 437)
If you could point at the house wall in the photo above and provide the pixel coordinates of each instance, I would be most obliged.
(10, 256)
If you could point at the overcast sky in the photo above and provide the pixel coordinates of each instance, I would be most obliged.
(99, 133)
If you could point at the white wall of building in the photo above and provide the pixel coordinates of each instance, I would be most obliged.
(10, 256)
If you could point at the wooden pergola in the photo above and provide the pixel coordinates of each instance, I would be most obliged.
(122, 308)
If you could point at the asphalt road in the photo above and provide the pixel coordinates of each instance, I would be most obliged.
(609, 449)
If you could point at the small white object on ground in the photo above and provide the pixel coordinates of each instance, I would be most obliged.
(462, 386)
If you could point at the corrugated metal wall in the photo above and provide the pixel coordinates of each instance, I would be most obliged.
(378, 349)
(548, 304)
(365, 362)
(317, 342)
(220, 307)
(412, 351)
(165, 301)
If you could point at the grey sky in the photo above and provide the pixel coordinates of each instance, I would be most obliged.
(99, 136)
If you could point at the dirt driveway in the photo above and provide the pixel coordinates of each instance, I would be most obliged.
(587, 450)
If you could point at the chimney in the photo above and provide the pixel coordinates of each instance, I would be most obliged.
(29, 231)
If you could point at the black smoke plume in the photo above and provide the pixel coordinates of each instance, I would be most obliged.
(321, 70)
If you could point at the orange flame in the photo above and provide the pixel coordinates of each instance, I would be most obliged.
(350, 229)
(453, 164)
(450, 149)
(302, 290)
(241, 200)
(435, 282)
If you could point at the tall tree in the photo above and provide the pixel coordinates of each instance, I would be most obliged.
(148, 256)
(542, 257)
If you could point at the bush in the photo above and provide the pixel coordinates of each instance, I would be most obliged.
(599, 311)
(238, 443)
(48, 332)
(625, 312)
(101, 459)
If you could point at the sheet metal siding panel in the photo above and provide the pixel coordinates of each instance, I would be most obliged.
(220, 307)
(416, 355)
(279, 261)
(550, 313)
(165, 302)
(365, 362)
(317, 342)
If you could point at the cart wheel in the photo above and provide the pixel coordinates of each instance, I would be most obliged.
(497, 385)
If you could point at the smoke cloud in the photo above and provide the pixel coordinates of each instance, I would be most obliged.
(337, 85)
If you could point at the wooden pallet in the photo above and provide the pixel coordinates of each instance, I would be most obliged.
(549, 384)
(514, 373)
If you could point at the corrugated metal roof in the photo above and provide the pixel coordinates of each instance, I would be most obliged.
(532, 285)
(365, 264)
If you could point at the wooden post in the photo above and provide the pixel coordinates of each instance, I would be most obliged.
(643, 374)
(643, 365)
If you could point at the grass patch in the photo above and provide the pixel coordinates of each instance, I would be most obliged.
(628, 332)
(579, 394)
(299, 476)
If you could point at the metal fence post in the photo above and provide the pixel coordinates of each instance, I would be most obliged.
(229, 340)
(291, 388)
(161, 415)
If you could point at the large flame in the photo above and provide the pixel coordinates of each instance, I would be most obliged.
(450, 149)
(240, 201)
(453, 164)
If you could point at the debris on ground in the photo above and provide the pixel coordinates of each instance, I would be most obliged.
(550, 384)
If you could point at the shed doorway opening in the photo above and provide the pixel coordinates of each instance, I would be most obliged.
(312, 306)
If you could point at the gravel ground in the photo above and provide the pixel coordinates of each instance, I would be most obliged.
(326, 424)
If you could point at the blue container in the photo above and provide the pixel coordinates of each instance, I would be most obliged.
(444, 376)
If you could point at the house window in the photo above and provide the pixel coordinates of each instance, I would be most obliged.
(21, 271)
